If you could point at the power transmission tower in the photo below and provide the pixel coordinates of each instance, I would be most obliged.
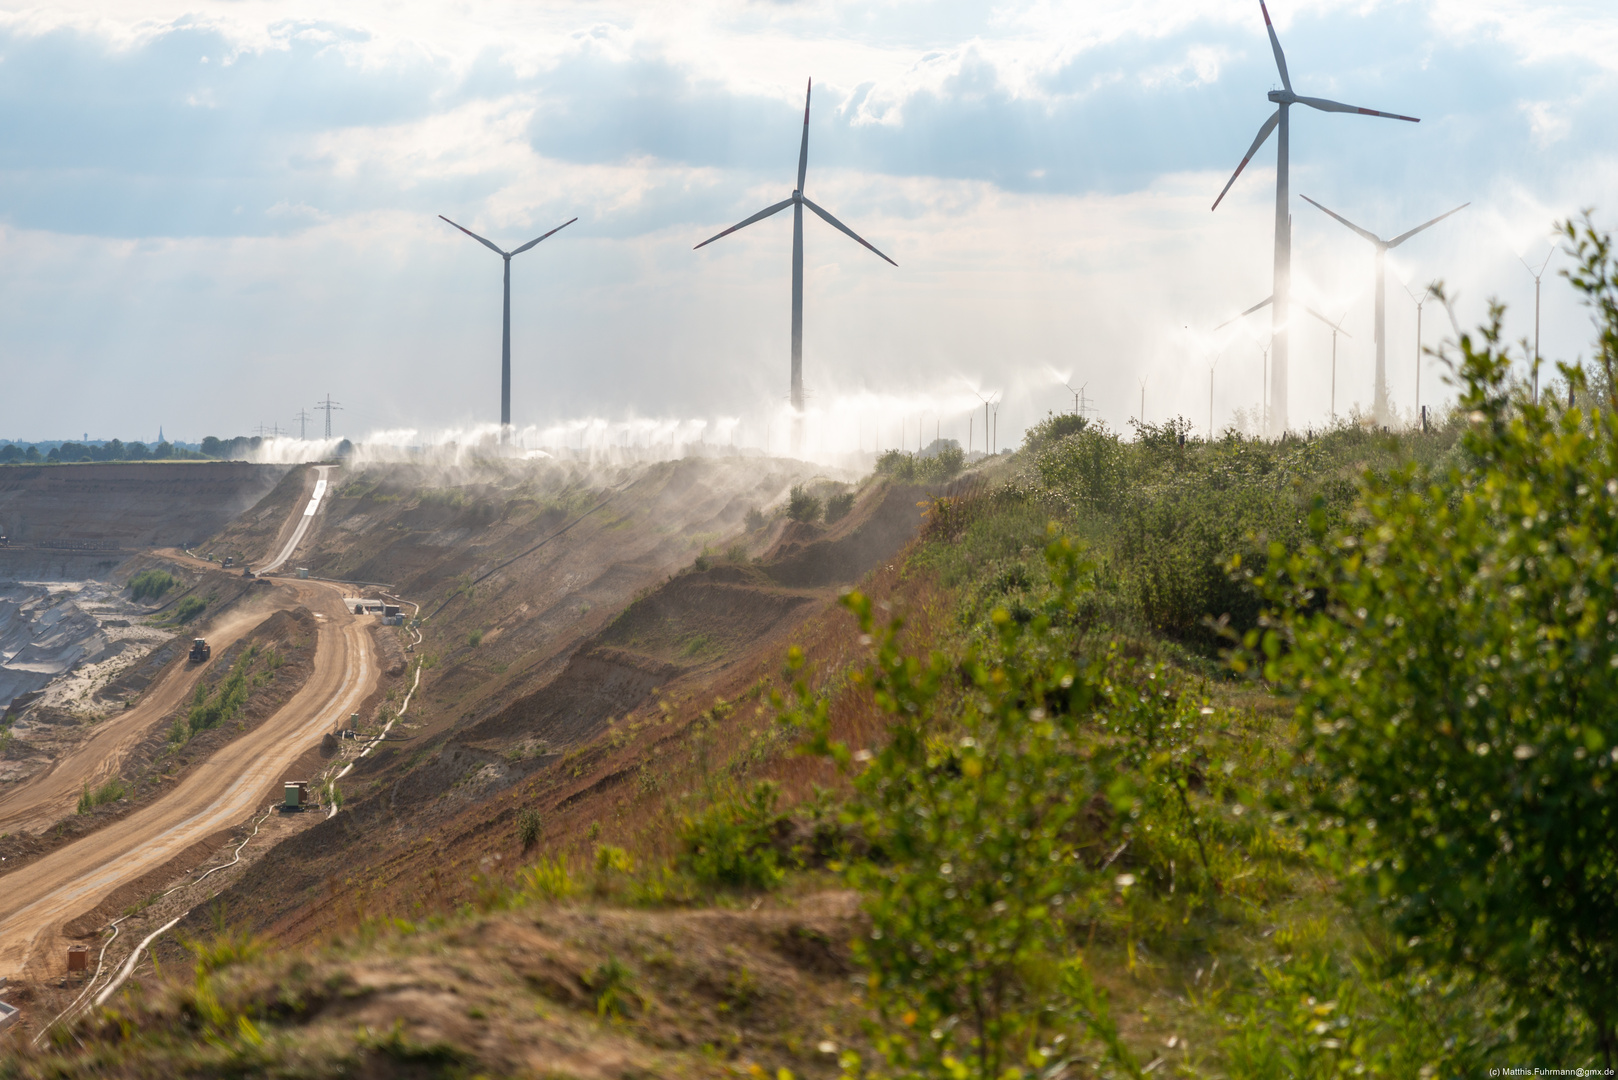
(303, 419)
(274, 431)
(328, 407)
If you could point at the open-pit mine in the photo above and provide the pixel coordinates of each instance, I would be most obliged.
(283, 696)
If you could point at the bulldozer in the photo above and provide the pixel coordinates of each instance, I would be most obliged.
(200, 650)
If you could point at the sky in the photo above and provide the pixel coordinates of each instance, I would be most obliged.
(215, 214)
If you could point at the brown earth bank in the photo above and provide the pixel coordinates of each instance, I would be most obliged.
(123, 506)
(537, 990)
(603, 748)
(596, 651)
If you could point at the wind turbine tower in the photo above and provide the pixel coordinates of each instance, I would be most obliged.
(1337, 328)
(1537, 275)
(505, 318)
(1284, 99)
(1379, 406)
(798, 200)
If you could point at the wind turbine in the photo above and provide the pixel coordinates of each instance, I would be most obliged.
(1336, 328)
(1420, 303)
(986, 402)
(1284, 99)
(1076, 394)
(1537, 275)
(505, 319)
(798, 200)
(1379, 406)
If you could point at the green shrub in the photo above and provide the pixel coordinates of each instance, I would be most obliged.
(1052, 429)
(475, 638)
(1453, 652)
(732, 844)
(109, 792)
(802, 506)
(611, 859)
(910, 468)
(548, 879)
(529, 824)
(755, 519)
(151, 584)
(838, 506)
(613, 984)
(188, 608)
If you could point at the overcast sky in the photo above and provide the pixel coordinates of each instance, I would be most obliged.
(213, 214)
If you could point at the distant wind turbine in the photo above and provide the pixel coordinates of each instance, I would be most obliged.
(1284, 99)
(1537, 275)
(798, 200)
(1420, 303)
(1336, 328)
(505, 319)
(1379, 407)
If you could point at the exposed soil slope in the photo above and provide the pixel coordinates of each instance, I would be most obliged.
(435, 804)
(126, 506)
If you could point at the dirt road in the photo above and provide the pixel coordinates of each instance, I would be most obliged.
(301, 522)
(45, 798)
(42, 896)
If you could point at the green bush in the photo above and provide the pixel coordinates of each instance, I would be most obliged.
(109, 792)
(754, 520)
(838, 506)
(188, 608)
(475, 638)
(1052, 429)
(915, 469)
(732, 844)
(548, 879)
(151, 584)
(529, 824)
(801, 505)
(1453, 652)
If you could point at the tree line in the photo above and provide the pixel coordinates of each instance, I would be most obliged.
(46, 453)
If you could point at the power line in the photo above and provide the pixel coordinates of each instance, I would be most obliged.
(328, 407)
(303, 419)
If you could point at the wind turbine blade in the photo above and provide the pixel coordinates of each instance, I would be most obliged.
(1275, 44)
(803, 151)
(1263, 133)
(537, 239)
(845, 230)
(760, 216)
(1327, 105)
(1371, 236)
(1262, 303)
(478, 238)
(1402, 237)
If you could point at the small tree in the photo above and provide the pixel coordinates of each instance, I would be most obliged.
(802, 506)
(1454, 653)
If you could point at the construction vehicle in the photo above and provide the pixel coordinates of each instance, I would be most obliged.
(229, 560)
(200, 650)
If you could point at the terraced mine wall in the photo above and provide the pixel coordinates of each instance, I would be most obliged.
(79, 522)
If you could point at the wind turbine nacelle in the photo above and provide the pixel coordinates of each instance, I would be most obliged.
(1282, 97)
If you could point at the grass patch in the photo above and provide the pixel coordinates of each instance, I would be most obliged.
(110, 792)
